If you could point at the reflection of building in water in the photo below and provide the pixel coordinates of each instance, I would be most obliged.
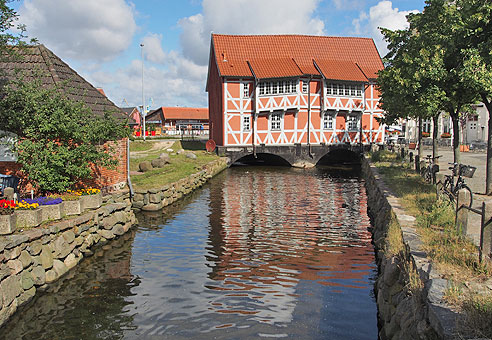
(275, 231)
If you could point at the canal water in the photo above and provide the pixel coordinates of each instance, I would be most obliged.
(257, 253)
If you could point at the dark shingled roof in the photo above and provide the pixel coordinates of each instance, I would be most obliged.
(39, 62)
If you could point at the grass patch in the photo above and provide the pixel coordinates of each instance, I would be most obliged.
(453, 253)
(136, 146)
(180, 166)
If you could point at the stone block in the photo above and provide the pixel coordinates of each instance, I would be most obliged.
(91, 201)
(8, 224)
(152, 207)
(119, 230)
(138, 205)
(12, 254)
(34, 248)
(61, 248)
(159, 163)
(38, 275)
(7, 312)
(46, 257)
(26, 280)
(15, 240)
(73, 208)
(70, 261)
(138, 198)
(25, 259)
(52, 212)
(15, 266)
(26, 296)
(60, 268)
(28, 218)
(107, 234)
(10, 288)
(51, 276)
(155, 198)
(69, 236)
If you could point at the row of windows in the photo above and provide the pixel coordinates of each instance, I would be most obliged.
(289, 87)
(336, 89)
(328, 122)
(277, 87)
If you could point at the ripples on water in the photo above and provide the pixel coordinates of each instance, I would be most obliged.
(258, 253)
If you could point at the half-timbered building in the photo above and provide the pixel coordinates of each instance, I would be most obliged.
(293, 89)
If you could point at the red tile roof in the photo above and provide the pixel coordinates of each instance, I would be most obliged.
(185, 113)
(340, 70)
(275, 68)
(232, 53)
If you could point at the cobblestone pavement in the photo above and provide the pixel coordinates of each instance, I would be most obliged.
(477, 183)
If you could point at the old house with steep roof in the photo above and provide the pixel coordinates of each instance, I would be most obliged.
(41, 63)
(293, 89)
(178, 119)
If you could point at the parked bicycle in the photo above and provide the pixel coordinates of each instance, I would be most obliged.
(429, 172)
(450, 189)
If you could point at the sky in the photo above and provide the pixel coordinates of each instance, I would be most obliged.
(100, 39)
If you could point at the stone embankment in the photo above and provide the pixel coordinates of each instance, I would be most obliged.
(157, 198)
(31, 259)
(409, 290)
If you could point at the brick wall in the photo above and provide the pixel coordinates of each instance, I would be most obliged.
(107, 179)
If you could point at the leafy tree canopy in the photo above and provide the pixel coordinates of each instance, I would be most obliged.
(59, 140)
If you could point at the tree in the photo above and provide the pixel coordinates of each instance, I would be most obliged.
(8, 17)
(476, 39)
(406, 86)
(58, 140)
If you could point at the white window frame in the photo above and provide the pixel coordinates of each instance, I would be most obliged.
(304, 86)
(328, 120)
(343, 90)
(352, 122)
(246, 90)
(246, 123)
(276, 119)
(275, 88)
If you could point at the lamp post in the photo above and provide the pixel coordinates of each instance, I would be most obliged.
(143, 98)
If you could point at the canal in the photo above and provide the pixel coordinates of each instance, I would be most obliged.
(257, 253)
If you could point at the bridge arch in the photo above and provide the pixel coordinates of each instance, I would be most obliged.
(263, 158)
(339, 156)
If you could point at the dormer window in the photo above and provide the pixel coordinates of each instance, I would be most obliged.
(345, 90)
(277, 87)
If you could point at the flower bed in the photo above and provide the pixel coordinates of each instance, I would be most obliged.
(29, 213)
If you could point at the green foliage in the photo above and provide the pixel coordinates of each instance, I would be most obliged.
(58, 140)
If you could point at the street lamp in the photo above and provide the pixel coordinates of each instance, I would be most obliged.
(143, 98)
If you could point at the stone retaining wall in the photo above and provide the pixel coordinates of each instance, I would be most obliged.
(31, 259)
(405, 312)
(157, 198)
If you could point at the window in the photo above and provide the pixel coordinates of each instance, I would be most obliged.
(426, 126)
(328, 121)
(277, 87)
(262, 89)
(352, 123)
(246, 91)
(336, 89)
(304, 86)
(246, 123)
(275, 119)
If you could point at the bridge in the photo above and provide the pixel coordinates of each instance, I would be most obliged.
(297, 155)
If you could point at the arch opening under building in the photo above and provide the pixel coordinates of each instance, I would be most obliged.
(266, 159)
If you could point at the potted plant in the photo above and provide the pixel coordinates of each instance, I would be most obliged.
(27, 214)
(90, 198)
(425, 134)
(7, 217)
(445, 135)
(71, 203)
(52, 208)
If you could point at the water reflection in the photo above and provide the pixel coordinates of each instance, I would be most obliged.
(257, 253)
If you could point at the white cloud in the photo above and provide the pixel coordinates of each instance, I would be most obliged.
(348, 4)
(246, 17)
(153, 48)
(81, 29)
(381, 15)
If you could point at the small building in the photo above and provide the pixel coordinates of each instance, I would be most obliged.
(179, 120)
(134, 117)
(39, 61)
(293, 90)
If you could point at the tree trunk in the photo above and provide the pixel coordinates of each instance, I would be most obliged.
(488, 170)
(420, 152)
(456, 135)
(435, 128)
